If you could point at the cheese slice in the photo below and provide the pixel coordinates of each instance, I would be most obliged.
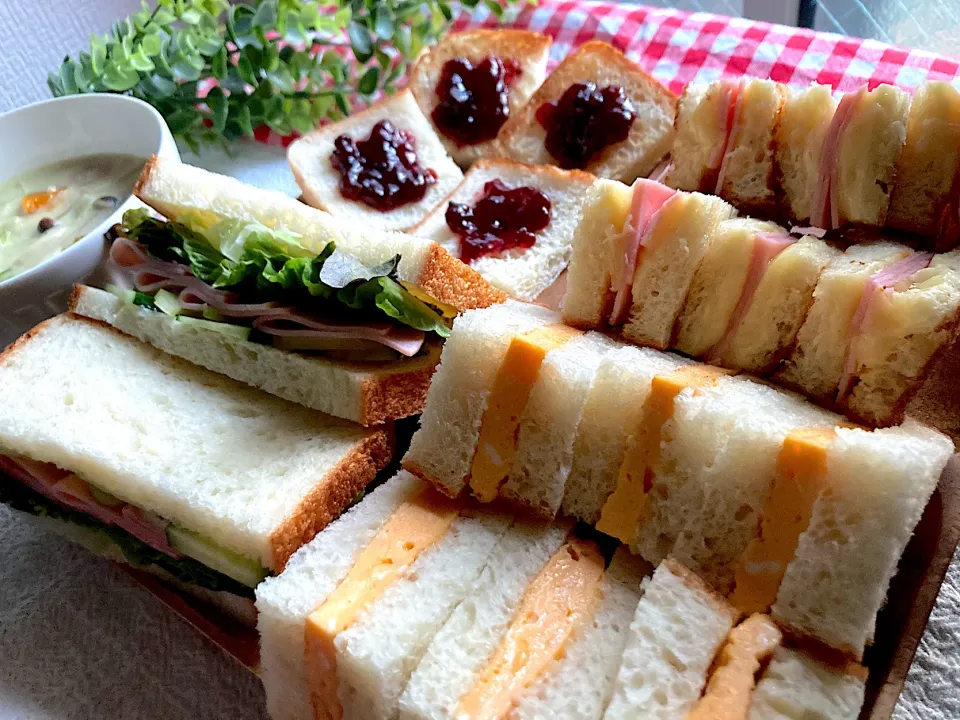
(412, 528)
(624, 509)
(563, 595)
(729, 693)
(801, 473)
(497, 444)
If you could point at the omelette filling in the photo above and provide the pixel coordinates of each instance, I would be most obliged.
(412, 528)
(562, 597)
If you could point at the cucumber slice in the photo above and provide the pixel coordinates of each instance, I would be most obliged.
(239, 567)
(105, 498)
(125, 295)
(167, 302)
(237, 331)
(212, 313)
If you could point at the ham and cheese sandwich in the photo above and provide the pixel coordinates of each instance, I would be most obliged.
(281, 296)
(210, 483)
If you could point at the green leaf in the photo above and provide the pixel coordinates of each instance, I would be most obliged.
(360, 41)
(68, 78)
(191, 16)
(140, 62)
(151, 45)
(219, 106)
(266, 14)
(54, 83)
(183, 119)
(495, 7)
(218, 65)
(368, 83)
(159, 85)
(383, 25)
(244, 120)
(245, 68)
(118, 78)
(343, 268)
(98, 54)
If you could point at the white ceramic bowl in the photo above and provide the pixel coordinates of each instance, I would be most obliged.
(60, 129)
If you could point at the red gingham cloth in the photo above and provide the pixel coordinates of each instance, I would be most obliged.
(678, 47)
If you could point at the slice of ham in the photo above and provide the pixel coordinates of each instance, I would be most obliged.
(817, 232)
(730, 117)
(824, 207)
(890, 279)
(648, 200)
(198, 296)
(767, 246)
(286, 322)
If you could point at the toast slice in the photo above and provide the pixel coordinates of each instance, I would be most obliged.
(701, 134)
(523, 273)
(527, 51)
(310, 161)
(522, 137)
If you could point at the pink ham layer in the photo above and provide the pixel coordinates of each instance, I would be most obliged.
(824, 211)
(730, 119)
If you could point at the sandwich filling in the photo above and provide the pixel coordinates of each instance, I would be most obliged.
(800, 478)
(260, 284)
(627, 505)
(499, 427)
(824, 208)
(731, 91)
(561, 597)
(413, 527)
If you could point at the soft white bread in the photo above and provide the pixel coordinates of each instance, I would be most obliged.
(930, 160)
(679, 625)
(470, 635)
(258, 475)
(677, 245)
(523, 273)
(816, 364)
(700, 134)
(548, 425)
(309, 158)
(522, 137)
(877, 486)
(804, 121)
(442, 450)
(606, 213)
(867, 155)
(180, 191)
(795, 685)
(902, 335)
(369, 394)
(717, 285)
(611, 413)
(313, 572)
(529, 50)
(580, 684)
(767, 331)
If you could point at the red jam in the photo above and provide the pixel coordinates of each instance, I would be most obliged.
(474, 99)
(382, 171)
(502, 219)
(584, 121)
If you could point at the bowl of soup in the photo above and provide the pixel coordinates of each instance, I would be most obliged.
(67, 176)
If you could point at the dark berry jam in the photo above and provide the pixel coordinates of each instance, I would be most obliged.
(584, 121)
(382, 171)
(502, 219)
(474, 99)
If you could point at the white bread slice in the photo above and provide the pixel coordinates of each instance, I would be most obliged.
(795, 685)
(804, 121)
(529, 50)
(930, 160)
(699, 134)
(679, 625)
(606, 213)
(868, 153)
(309, 159)
(612, 411)
(902, 335)
(180, 191)
(580, 684)
(470, 635)
(256, 474)
(548, 425)
(878, 484)
(678, 243)
(442, 450)
(718, 284)
(816, 364)
(523, 273)
(313, 572)
(768, 330)
(522, 137)
(369, 394)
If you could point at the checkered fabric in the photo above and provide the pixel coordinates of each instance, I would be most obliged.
(678, 47)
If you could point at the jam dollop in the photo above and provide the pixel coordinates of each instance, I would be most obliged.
(584, 121)
(474, 99)
(502, 219)
(382, 171)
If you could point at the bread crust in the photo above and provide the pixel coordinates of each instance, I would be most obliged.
(414, 468)
(455, 283)
(398, 395)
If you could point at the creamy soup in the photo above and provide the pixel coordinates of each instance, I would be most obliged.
(46, 210)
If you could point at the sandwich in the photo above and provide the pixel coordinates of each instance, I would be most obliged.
(597, 111)
(512, 223)
(190, 474)
(470, 83)
(635, 255)
(382, 167)
(271, 292)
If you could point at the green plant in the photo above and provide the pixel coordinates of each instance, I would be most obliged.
(286, 64)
